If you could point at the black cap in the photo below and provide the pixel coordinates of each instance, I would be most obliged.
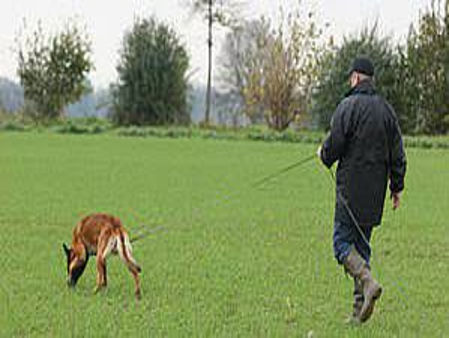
(362, 65)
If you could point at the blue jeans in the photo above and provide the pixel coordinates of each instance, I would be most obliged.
(346, 236)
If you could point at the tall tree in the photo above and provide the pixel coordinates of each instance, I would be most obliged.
(152, 83)
(53, 69)
(224, 13)
(292, 68)
(427, 66)
(274, 67)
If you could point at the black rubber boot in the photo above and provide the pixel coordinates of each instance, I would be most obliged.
(356, 266)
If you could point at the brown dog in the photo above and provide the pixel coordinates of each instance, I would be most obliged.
(100, 235)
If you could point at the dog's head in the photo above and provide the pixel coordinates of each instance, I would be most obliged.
(76, 263)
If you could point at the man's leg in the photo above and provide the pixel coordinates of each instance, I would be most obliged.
(346, 236)
(353, 251)
(358, 298)
(371, 289)
(365, 251)
(358, 268)
(363, 244)
(344, 239)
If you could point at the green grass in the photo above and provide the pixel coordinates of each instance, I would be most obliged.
(234, 262)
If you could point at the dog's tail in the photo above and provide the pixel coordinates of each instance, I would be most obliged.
(125, 253)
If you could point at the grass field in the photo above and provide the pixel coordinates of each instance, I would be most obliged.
(234, 261)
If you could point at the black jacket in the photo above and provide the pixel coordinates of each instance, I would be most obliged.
(366, 141)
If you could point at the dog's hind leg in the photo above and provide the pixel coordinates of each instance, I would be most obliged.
(125, 253)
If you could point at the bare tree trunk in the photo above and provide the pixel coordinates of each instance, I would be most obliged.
(209, 71)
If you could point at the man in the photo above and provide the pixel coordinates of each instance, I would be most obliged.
(366, 141)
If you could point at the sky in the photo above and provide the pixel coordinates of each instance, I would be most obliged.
(107, 21)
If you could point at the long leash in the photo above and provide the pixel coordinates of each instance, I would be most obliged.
(228, 197)
(348, 209)
(147, 232)
(283, 171)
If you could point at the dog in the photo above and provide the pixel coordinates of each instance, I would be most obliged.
(99, 234)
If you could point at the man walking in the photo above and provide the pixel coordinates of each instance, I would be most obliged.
(366, 141)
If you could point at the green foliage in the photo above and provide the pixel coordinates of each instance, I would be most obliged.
(333, 78)
(89, 125)
(265, 135)
(13, 125)
(425, 79)
(53, 70)
(152, 84)
(414, 77)
(255, 133)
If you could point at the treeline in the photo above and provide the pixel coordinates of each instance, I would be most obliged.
(279, 75)
(285, 74)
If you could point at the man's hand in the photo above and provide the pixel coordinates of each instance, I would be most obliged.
(396, 198)
(318, 152)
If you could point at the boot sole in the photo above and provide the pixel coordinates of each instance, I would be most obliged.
(366, 313)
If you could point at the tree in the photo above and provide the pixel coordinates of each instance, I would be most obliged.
(292, 69)
(53, 69)
(274, 68)
(413, 77)
(222, 12)
(333, 81)
(152, 83)
(426, 66)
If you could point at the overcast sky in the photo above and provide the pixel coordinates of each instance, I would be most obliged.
(107, 21)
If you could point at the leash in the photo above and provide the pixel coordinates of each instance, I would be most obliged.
(283, 171)
(226, 197)
(348, 209)
(147, 232)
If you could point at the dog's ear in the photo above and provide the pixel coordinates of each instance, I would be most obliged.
(66, 249)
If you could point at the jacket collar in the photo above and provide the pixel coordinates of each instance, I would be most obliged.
(365, 87)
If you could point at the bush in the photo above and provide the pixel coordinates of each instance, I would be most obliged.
(11, 125)
(53, 70)
(152, 85)
(82, 126)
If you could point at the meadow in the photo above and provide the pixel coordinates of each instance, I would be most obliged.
(233, 261)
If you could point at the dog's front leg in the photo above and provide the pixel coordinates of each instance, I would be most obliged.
(101, 273)
(104, 247)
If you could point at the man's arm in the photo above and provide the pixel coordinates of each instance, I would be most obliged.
(334, 146)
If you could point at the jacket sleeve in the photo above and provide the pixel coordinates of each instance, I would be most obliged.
(334, 146)
(398, 162)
